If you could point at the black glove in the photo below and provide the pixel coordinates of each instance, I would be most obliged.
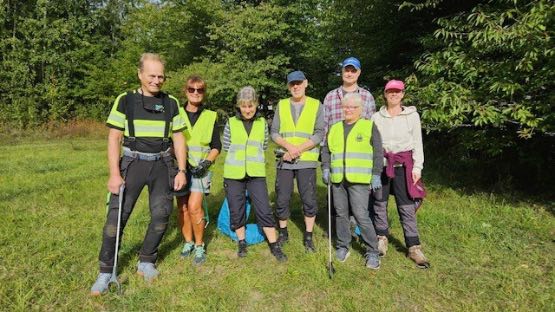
(200, 170)
(279, 153)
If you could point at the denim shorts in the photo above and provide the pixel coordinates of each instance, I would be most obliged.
(200, 185)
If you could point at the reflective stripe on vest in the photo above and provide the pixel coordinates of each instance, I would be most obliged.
(143, 128)
(352, 160)
(246, 153)
(199, 136)
(299, 133)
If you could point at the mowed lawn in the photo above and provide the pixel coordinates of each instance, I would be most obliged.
(488, 252)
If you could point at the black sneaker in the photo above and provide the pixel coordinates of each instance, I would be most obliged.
(309, 246)
(242, 249)
(308, 243)
(275, 249)
(283, 236)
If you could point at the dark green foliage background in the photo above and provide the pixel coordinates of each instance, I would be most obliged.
(480, 72)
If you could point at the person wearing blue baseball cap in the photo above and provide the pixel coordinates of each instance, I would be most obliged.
(333, 112)
(298, 128)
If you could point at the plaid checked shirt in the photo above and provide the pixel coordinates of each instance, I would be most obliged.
(334, 113)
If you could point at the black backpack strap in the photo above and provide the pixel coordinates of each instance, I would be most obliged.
(168, 116)
(130, 114)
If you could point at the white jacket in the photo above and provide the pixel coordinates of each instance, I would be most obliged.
(401, 133)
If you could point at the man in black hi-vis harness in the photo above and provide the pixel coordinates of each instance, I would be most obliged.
(147, 120)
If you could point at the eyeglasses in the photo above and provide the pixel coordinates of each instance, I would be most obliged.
(192, 90)
(350, 107)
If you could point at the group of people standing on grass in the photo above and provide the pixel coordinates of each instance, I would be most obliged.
(364, 155)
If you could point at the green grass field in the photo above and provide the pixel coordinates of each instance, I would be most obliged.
(488, 252)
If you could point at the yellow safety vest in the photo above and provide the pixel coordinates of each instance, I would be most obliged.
(199, 136)
(303, 130)
(246, 152)
(143, 128)
(351, 158)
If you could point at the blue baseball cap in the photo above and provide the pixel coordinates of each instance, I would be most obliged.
(353, 61)
(295, 76)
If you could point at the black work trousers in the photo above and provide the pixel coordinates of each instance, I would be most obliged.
(258, 194)
(138, 173)
(306, 183)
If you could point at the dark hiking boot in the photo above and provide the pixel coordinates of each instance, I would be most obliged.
(308, 243)
(242, 248)
(283, 236)
(275, 249)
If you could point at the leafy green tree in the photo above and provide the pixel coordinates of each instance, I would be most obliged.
(493, 70)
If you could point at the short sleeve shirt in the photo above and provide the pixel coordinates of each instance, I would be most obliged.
(147, 142)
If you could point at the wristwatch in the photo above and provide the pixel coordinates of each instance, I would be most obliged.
(183, 170)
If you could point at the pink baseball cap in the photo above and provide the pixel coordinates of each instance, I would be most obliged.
(395, 84)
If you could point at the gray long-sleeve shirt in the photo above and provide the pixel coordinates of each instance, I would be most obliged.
(375, 141)
(317, 136)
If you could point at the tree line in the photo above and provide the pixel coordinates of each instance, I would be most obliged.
(480, 72)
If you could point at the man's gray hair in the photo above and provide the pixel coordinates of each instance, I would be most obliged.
(150, 57)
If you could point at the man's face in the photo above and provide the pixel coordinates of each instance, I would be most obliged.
(350, 74)
(195, 93)
(152, 77)
(297, 88)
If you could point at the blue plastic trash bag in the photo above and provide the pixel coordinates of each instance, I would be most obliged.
(253, 233)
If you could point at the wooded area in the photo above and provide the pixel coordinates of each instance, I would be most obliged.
(480, 72)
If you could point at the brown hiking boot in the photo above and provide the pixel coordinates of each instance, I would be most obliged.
(382, 245)
(416, 255)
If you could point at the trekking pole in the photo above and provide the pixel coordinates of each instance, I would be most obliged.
(114, 278)
(331, 269)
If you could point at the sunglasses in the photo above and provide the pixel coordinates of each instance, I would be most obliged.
(192, 90)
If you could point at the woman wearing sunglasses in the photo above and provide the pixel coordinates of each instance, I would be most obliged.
(203, 145)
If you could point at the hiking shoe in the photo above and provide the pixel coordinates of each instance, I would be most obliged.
(147, 270)
(283, 236)
(275, 249)
(101, 285)
(382, 245)
(415, 254)
(187, 250)
(309, 245)
(373, 260)
(242, 248)
(200, 255)
(342, 254)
